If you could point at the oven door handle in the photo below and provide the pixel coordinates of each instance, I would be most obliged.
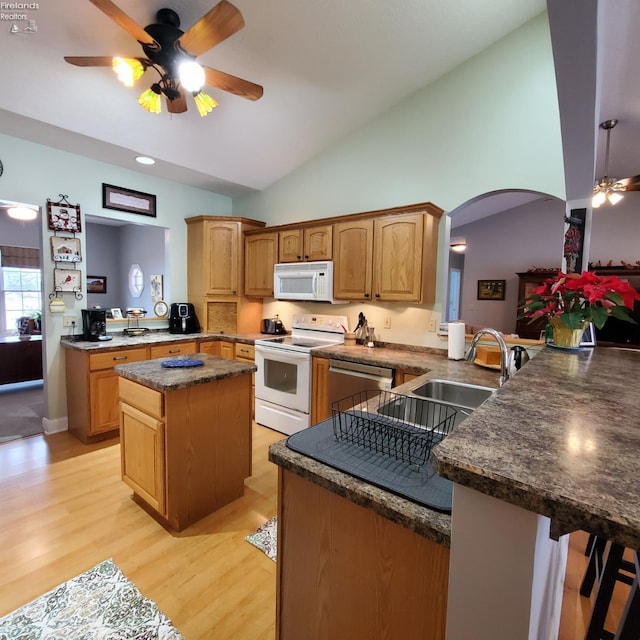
(283, 354)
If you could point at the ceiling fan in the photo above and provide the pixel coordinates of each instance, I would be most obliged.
(607, 189)
(172, 53)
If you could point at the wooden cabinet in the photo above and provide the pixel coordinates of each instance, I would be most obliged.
(401, 376)
(353, 259)
(319, 390)
(92, 390)
(142, 443)
(389, 258)
(186, 452)
(176, 349)
(374, 577)
(527, 282)
(227, 350)
(215, 274)
(247, 353)
(212, 347)
(306, 244)
(260, 255)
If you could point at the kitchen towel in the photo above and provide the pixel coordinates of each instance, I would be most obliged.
(456, 340)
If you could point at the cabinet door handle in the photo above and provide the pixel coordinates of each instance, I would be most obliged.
(377, 295)
(120, 357)
(366, 295)
(174, 350)
(299, 257)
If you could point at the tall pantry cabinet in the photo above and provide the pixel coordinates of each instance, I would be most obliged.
(215, 274)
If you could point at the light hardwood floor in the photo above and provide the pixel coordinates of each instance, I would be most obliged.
(64, 509)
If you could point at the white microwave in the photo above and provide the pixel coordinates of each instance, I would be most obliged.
(311, 281)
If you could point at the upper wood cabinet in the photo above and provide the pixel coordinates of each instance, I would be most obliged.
(307, 244)
(353, 259)
(215, 274)
(260, 255)
(389, 258)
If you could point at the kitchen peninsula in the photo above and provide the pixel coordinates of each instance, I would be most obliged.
(185, 435)
(553, 451)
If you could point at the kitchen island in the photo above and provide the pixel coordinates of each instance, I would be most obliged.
(185, 435)
(552, 451)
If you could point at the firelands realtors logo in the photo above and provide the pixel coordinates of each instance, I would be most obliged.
(17, 14)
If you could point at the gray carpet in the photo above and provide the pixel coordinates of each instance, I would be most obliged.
(21, 410)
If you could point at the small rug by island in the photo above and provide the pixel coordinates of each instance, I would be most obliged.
(265, 538)
(99, 604)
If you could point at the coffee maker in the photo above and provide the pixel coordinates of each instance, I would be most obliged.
(183, 319)
(94, 325)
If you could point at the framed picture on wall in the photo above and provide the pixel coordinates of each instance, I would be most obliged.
(67, 280)
(96, 284)
(65, 249)
(63, 216)
(491, 289)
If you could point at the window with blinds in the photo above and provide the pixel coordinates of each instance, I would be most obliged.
(20, 287)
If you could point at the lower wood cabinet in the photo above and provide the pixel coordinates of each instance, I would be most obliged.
(92, 390)
(319, 390)
(142, 438)
(176, 349)
(345, 571)
(185, 453)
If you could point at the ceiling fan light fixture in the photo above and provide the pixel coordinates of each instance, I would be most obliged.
(128, 70)
(614, 197)
(191, 76)
(22, 213)
(150, 99)
(205, 103)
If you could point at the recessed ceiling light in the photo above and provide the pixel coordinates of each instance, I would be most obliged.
(145, 160)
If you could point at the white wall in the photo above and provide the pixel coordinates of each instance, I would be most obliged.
(615, 232)
(33, 173)
(491, 124)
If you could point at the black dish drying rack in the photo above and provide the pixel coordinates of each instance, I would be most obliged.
(402, 427)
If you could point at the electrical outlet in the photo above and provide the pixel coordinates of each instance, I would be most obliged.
(432, 325)
(68, 321)
(387, 322)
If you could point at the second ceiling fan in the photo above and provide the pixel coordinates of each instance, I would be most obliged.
(608, 189)
(172, 53)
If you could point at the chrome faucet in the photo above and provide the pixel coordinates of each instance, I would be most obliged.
(504, 352)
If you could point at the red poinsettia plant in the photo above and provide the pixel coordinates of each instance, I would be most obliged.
(577, 298)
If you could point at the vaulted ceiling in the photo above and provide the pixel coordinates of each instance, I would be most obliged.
(326, 67)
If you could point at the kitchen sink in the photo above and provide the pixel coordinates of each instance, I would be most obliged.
(459, 394)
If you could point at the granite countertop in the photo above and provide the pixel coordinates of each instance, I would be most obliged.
(152, 374)
(561, 438)
(120, 340)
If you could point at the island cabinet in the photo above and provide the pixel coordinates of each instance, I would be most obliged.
(388, 258)
(306, 244)
(186, 450)
(345, 571)
(260, 255)
(92, 390)
(215, 274)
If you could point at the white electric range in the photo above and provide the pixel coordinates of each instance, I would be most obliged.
(283, 378)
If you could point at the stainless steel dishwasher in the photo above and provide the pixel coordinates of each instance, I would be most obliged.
(349, 378)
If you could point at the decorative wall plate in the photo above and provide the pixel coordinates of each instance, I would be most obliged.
(160, 308)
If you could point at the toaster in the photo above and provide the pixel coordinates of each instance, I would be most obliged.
(273, 326)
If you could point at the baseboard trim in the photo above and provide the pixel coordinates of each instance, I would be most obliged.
(55, 425)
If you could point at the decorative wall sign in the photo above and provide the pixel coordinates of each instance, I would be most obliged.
(156, 288)
(491, 289)
(64, 249)
(67, 280)
(129, 200)
(64, 216)
(96, 284)
(573, 248)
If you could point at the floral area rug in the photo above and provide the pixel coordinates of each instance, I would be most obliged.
(265, 537)
(100, 604)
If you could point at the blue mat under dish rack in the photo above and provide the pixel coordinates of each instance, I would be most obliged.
(420, 484)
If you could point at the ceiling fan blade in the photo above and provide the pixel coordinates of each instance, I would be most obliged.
(90, 61)
(179, 104)
(123, 20)
(215, 26)
(630, 184)
(232, 84)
